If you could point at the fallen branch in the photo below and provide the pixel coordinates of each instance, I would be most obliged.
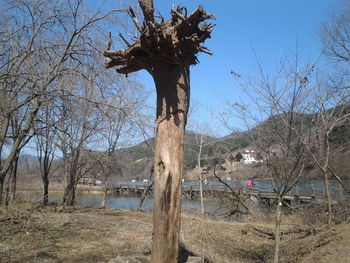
(233, 212)
(266, 233)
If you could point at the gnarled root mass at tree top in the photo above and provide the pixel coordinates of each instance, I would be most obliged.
(175, 41)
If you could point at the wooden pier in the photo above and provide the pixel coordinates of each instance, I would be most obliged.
(216, 191)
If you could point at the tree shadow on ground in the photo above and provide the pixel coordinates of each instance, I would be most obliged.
(184, 254)
(262, 255)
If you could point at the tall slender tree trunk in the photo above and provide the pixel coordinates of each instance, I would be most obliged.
(200, 178)
(201, 192)
(71, 174)
(278, 229)
(7, 190)
(13, 180)
(45, 166)
(104, 200)
(46, 189)
(172, 107)
(2, 179)
(69, 189)
(328, 196)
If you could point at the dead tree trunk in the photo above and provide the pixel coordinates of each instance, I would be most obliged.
(166, 49)
(172, 106)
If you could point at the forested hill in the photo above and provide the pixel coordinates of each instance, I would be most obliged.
(136, 161)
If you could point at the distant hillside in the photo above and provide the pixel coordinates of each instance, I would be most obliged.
(136, 161)
(139, 157)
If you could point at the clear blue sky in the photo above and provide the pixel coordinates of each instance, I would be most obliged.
(270, 28)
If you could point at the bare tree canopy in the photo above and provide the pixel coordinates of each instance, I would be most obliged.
(42, 42)
(335, 36)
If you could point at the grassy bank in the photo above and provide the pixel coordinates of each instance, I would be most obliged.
(30, 233)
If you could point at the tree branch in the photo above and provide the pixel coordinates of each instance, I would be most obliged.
(134, 19)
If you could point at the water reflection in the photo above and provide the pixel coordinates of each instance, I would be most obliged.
(310, 187)
(120, 202)
(113, 201)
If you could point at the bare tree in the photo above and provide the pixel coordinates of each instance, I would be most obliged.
(15, 128)
(335, 36)
(114, 129)
(77, 126)
(166, 49)
(46, 143)
(41, 41)
(329, 108)
(315, 109)
(204, 136)
(276, 111)
(121, 111)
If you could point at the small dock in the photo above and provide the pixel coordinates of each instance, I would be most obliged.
(130, 189)
(217, 190)
(260, 194)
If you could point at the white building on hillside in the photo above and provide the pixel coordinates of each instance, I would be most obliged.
(248, 157)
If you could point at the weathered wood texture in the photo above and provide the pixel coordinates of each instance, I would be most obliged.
(166, 49)
(172, 107)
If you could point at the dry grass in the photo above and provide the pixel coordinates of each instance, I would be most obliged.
(33, 234)
(71, 235)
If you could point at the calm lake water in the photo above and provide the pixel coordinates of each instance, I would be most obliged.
(313, 187)
(115, 201)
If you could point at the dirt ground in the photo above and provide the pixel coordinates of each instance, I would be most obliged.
(30, 233)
